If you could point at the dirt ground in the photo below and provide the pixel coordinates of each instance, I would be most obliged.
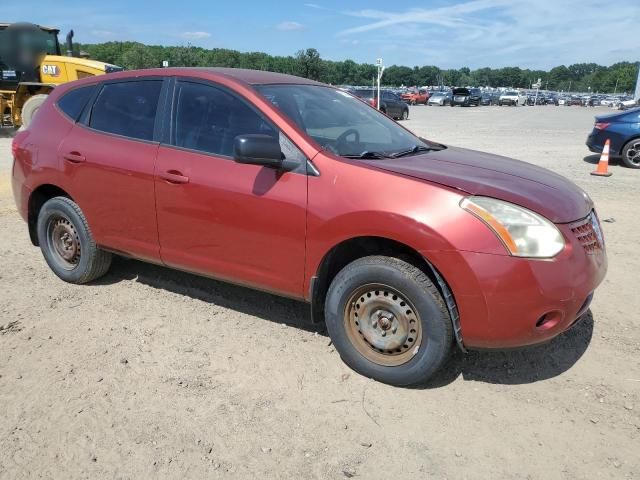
(150, 373)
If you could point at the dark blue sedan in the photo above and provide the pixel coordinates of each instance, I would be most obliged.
(623, 129)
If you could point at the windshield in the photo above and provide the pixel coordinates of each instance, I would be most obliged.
(339, 122)
(512, 94)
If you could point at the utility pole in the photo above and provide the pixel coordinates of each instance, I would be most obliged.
(616, 87)
(636, 96)
(380, 66)
(537, 85)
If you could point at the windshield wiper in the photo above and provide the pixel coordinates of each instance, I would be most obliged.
(368, 154)
(410, 151)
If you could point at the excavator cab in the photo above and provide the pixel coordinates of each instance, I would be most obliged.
(31, 65)
(22, 49)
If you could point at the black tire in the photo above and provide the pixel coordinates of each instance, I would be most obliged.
(88, 262)
(411, 284)
(631, 153)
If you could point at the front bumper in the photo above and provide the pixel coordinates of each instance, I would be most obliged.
(507, 302)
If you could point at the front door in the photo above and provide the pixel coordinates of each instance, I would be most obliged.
(241, 223)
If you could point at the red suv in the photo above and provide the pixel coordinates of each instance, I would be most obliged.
(402, 245)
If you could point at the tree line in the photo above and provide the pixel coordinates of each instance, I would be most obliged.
(580, 77)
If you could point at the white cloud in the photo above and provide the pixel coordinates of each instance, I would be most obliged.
(496, 33)
(289, 26)
(195, 35)
(314, 5)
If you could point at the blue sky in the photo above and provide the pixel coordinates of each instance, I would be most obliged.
(447, 33)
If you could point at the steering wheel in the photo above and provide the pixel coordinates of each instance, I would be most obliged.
(341, 141)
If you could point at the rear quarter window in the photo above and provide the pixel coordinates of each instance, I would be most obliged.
(72, 103)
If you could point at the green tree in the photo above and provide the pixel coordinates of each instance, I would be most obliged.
(138, 56)
(309, 64)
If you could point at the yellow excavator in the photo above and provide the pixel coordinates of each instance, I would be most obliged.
(31, 65)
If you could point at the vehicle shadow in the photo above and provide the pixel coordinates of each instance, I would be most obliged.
(7, 132)
(595, 158)
(512, 367)
(241, 299)
(520, 366)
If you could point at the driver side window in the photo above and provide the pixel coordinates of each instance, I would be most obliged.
(208, 119)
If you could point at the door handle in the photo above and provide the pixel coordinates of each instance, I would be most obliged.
(173, 176)
(74, 157)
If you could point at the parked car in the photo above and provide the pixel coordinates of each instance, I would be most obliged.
(623, 131)
(390, 103)
(466, 97)
(415, 97)
(513, 98)
(402, 245)
(574, 100)
(440, 98)
(489, 98)
(627, 103)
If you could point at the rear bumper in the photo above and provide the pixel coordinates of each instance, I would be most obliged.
(597, 138)
(508, 302)
(21, 193)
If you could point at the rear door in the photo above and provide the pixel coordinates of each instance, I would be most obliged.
(109, 158)
(238, 222)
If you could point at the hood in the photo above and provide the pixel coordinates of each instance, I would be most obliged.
(478, 173)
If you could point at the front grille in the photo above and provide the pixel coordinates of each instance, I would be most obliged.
(589, 234)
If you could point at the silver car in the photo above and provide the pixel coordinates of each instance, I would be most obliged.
(440, 98)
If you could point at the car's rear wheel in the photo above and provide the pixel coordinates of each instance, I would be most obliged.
(67, 244)
(631, 153)
(388, 321)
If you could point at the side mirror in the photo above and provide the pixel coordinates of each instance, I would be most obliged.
(258, 149)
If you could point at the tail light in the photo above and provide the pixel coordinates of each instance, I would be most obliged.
(17, 142)
(602, 125)
(373, 102)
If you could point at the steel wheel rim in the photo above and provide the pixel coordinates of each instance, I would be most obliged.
(63, 242)
(383, 325)
(633, 153)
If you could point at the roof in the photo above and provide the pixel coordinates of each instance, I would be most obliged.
(254, 77)
(46, 29)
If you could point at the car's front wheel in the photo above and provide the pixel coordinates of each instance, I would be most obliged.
(388, 321)
(631, 153)
(67, 244)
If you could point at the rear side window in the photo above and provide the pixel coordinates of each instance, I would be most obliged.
(127, 108)
(209, 119)
(72, 103)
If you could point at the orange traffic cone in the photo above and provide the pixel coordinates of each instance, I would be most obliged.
(603, 163)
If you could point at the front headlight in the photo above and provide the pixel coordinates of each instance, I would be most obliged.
(523, 232)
